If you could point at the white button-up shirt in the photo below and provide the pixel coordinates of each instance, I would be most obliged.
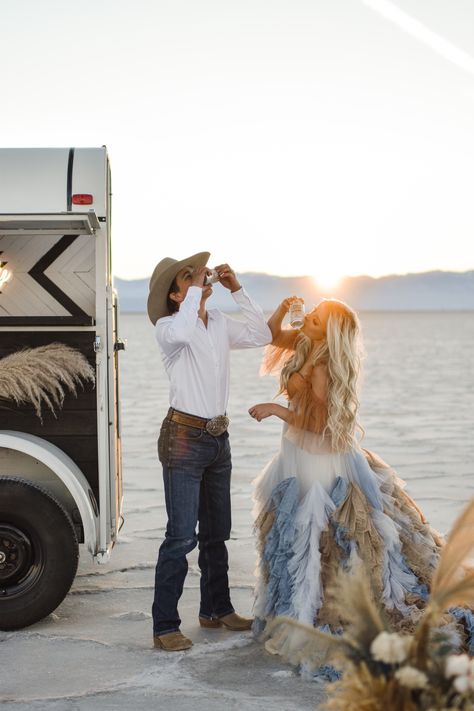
(196, 358)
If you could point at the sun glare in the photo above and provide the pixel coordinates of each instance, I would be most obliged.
(327, 279)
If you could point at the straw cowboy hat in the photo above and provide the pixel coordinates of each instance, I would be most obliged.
(162, 278)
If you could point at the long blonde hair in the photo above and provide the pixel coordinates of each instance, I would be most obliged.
(341, 351)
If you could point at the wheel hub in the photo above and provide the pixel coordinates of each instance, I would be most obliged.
(16, 554)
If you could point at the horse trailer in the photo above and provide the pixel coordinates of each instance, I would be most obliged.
(60, 453)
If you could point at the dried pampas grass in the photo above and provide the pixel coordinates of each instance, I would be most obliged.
(360, 690)
(453, 582)
(354, 600)
(42, 375)
(299, 643)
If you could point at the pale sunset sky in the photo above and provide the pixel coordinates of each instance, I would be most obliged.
(316, 137)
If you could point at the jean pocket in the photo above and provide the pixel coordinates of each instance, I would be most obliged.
(187, 432)
(164, 441)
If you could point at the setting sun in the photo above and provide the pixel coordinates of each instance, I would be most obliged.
(327, 279)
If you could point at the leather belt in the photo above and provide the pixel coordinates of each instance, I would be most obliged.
(214, 426)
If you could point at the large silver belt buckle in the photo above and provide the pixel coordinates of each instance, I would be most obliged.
(217, 425)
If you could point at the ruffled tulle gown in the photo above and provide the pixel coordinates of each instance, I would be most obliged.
(318, 511)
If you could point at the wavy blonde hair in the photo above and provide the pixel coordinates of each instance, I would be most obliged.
(341, 351)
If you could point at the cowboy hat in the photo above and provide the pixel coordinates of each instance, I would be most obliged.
(162, 278)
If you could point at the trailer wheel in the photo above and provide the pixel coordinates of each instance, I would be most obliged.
(39, 553)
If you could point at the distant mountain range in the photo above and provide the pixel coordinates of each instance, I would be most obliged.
(427, 291)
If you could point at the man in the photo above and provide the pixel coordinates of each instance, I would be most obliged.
(193, 445)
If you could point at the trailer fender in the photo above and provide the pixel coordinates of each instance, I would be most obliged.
(69, 473)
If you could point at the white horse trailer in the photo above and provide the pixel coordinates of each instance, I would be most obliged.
(60, 475)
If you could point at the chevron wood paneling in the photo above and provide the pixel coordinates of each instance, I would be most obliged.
(34, 298)
(34, 291)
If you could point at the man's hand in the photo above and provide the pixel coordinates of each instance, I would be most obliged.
(227, 277)
(260, 412)
(198, 275)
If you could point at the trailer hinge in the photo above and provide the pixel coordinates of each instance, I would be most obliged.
(97, 344)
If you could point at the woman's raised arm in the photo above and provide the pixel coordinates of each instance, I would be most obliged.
(276, 319)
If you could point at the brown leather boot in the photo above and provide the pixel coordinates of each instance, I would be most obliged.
(172, 642)
(233, 622)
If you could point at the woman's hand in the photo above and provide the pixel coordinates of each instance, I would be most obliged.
(260, 412)
(267, 409)
(286, 303)
(275, 320)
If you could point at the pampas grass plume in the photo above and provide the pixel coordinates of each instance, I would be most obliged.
(453, 583)
(42, 375)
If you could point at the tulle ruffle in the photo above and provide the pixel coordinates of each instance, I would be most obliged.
(317, 513)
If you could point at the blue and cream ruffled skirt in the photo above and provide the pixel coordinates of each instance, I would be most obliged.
(317, 512)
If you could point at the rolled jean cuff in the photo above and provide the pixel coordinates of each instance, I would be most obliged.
(160, 633)
(214, 617)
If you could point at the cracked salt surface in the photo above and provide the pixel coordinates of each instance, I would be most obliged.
(69, 673)
(95, 652)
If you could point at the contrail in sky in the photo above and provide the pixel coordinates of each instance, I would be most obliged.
(419, 31)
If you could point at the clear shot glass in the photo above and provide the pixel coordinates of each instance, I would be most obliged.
(296, 314)
(211, 278)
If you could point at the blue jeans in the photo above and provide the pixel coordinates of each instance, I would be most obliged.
(196, 473)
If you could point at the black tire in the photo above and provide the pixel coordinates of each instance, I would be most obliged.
(39, 553)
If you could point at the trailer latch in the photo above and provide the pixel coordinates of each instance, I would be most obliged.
(97, 344)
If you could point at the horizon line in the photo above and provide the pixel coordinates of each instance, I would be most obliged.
(342, 279)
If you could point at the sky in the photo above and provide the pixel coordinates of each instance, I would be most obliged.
(315, 137)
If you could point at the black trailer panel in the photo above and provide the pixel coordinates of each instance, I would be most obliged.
(74, 428)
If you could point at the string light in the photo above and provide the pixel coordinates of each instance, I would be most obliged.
(5, 274)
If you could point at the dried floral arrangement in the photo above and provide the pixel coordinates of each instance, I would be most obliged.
(384, 670)
(40, 376)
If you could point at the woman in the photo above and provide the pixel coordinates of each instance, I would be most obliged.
(323, 502)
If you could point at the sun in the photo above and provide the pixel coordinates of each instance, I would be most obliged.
(327, 279)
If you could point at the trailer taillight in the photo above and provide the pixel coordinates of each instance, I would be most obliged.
(82, 199)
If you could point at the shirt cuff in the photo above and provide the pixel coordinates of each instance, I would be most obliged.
(239, 295)
(194, 292)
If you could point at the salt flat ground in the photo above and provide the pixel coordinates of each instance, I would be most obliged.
(95, 651)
